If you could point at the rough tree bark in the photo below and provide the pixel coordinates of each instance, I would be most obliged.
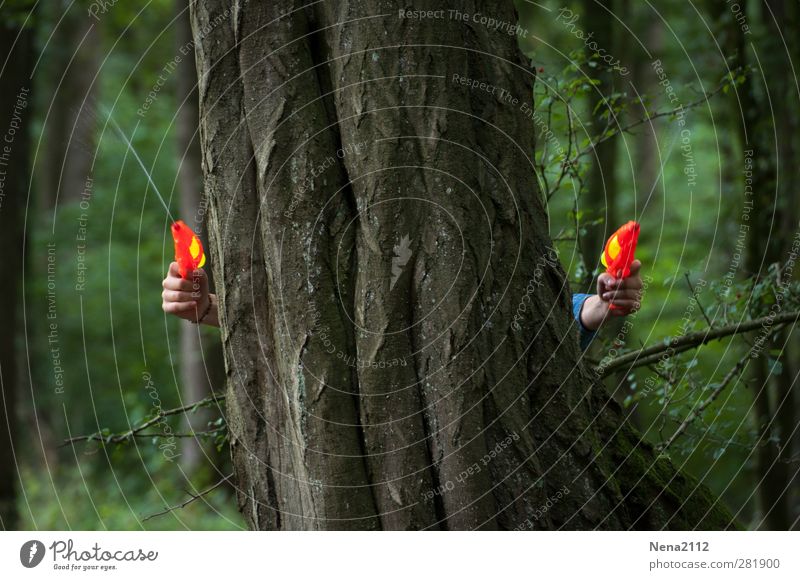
(376, 378)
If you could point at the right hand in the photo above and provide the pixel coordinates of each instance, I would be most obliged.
(625, 294)
(186, 299)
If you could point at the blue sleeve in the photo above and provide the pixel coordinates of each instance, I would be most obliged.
(586, 335)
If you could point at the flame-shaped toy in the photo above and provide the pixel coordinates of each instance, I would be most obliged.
(620, 249)
(188, 249)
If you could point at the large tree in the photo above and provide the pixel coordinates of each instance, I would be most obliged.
(377, 375)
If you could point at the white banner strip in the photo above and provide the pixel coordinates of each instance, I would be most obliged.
(390, 555)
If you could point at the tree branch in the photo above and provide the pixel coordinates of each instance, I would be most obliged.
(206, 433)
(648, 118)
(125, 436)
(675, 346)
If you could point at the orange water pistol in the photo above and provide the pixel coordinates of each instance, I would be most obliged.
(620, 249)
(619, 252)
(188, 249)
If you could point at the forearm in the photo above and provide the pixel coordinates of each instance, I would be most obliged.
(593, 313)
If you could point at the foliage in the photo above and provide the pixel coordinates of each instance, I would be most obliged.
(117, 351)
(111, 334)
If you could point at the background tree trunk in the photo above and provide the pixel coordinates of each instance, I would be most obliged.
(768, 244)
(777, 60)
(72, 88)
(599, 200)
(197, 359)
(647, 172)
(374, 376)
(15, 121)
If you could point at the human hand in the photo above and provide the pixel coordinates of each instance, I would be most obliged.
(625, 295)
(187, 299)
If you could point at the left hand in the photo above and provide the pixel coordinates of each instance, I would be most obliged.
(624, 294)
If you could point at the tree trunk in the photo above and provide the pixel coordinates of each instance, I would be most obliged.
(648, 172)
(195, 353)
(15, 120)
(767, 245)
(377, 377)
(599, 199)
(783, 91)
(72, 86)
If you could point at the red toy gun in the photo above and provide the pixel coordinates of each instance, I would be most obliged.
(619, 251)
(188, 249)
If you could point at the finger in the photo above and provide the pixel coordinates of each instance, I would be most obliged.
(176, 296)
(618, 294)
(632, 283)
(622, 295)
(171, 283)
(629, 305)
(179, 307)
(174, 270)
(605, 282)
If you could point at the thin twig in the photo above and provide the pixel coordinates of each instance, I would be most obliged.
(697, 299)
(697, 411)
(544, 149)
(122, 437)
(667, 378)
(208, 432)
(705, 98)
(190, 500)
(566, 164)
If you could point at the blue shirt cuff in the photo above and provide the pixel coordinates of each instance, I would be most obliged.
(586, 335)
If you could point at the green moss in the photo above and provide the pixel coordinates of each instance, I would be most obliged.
(684, 502)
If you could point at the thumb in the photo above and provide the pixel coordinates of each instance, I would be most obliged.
(200, 281)
(605, 283)
(636, 265)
